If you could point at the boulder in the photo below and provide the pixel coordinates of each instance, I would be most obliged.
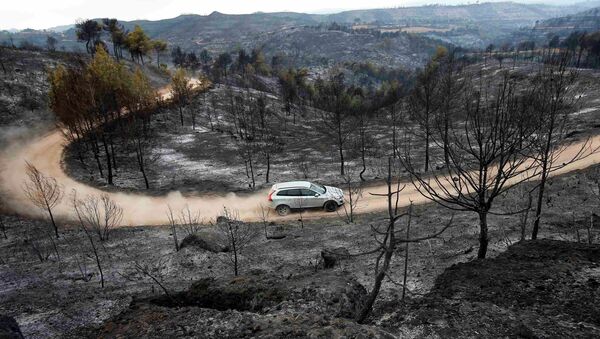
(331, 256)
(204, 241)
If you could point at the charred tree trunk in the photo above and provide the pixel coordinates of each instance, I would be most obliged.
(181, 115)
(483, 234)
(340, 144)
(53, 221)
(268, 168)
(108, 160)
(251, 169)
(141, 163)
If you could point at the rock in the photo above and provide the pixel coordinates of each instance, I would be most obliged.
(332, 255)
(221, 219)
(203, 241)
(276, 236)
(9, 328)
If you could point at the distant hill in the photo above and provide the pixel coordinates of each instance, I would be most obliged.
(584, 21)
(312, 46)
(466, 25)
(496, 13)
(59, 29)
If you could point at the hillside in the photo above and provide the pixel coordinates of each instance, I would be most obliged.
(508, 14)
(466, 25)
(306, 46)
(584, 21)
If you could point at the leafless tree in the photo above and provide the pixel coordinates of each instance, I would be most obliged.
(552, 96)
(173, 224)
(81, 256)
(303, 167)
(423, 104)
(190, 220)
(593, 187)
(388, 239)
(450, 88)
(101, 214)
(236, 235)
(154, 269)
(335, 102)
(523, 193)
(301, 203)
(365, 142)
(354, 190)
(43, 191)
(86, 228)
(263, 214)
(40, 241)
(487, 154)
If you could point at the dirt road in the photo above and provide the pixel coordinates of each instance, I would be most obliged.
(46, 152)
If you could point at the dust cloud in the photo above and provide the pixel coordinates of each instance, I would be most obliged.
(46, 153)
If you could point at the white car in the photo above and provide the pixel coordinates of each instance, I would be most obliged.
(303, 194)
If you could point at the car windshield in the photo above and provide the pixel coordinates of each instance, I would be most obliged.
(318, 188)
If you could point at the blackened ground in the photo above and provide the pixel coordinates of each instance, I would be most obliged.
(202, 161)
(536, 289)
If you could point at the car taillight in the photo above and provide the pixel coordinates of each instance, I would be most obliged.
(270, 196)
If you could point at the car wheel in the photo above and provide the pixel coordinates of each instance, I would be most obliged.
(283, 210)
(330, 206)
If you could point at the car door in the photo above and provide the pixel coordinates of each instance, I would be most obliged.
(291, 197)
(309, 200)
(296, 198)
(284, 198)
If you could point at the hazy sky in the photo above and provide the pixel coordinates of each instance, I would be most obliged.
(47, 13)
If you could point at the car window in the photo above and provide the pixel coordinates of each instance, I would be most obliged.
(290, 193)
(284, 193)
(318, 188)
(308, 193)
(296, 193)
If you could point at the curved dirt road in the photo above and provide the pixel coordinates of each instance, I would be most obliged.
(46, 152)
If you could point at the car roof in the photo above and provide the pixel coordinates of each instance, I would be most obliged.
(292, 184)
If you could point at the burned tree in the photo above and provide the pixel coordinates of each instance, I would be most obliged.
(86, 228)
(551, 97)
(190, 220)
(100, 214)
(487, 155)
(450, 88)
(354, 191)
(423, 104)
(236, 235)
(44, 192)
(388, 238)
(173, 225)
(334, 101)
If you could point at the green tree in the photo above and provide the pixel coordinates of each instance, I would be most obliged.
(159, 46)
(117, 36)
(138, 44)
(181, 90)
(90, 32)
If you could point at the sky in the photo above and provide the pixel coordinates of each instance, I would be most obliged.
(39, 14)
